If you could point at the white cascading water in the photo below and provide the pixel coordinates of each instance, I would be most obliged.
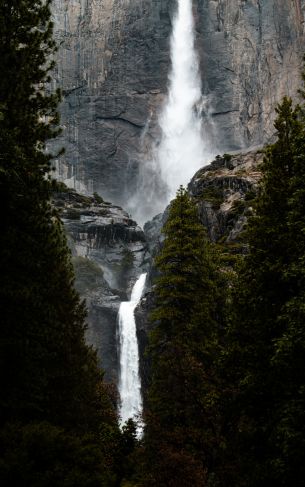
(182, 150)
(129, 380)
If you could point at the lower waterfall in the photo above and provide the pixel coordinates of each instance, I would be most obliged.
(129, 378)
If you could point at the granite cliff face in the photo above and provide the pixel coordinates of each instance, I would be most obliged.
(251, 55)
(112, 66)
(113, 63)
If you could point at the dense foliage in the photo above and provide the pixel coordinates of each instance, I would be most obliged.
(58, 425)
(226, 404)
(182, 403)
(266, 342)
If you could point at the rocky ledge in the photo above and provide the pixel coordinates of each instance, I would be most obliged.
(109, 251)
(224, 192)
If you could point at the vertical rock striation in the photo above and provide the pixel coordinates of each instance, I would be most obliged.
(251, 56)
(113, 62)
(112, 65)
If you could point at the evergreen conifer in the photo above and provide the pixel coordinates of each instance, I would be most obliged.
(180, 432)
(51, 386)
(266, 344)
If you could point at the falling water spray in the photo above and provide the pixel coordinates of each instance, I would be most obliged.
(183, 147)
(129, 379)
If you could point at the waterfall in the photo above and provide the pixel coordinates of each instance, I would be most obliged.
(184, 146)
(183, 149)
(129, 379)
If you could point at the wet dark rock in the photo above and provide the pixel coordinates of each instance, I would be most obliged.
(144, 327)
(152, 230)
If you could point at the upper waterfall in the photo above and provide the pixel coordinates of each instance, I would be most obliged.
(115, 81)
(183, 149)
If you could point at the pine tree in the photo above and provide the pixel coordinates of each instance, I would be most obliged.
(42, 317)
(267, 339)
(180, 433)
(288, 359)
(51, 386)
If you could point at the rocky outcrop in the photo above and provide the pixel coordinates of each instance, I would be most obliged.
(224, 191)
(109, 252)
(113, 62)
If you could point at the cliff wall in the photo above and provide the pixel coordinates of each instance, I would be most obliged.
(112, 66)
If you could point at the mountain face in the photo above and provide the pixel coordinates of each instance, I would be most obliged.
(113, 63)
(112, 66)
